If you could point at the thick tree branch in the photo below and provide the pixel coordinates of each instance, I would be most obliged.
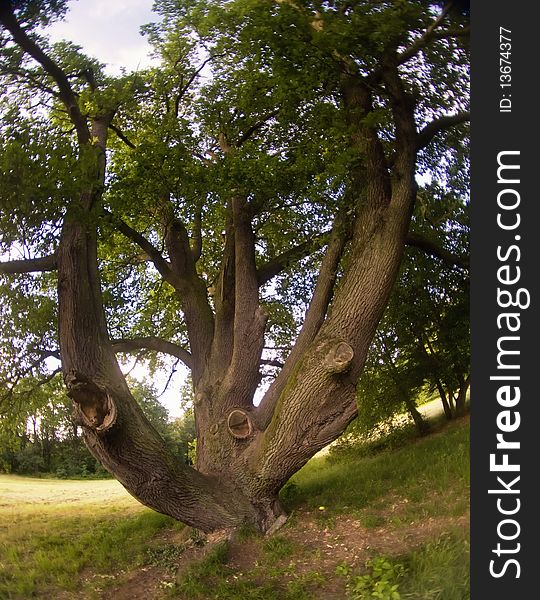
(156, 344)
(437, 125)
(30, 265)
(370, 175)
(403, 108)
(180, 272)
(224, 301)
(270, 362)
(249, 318)
(178, 245)
(162, 265)
(191, 289)
(315, 315)
(281, 262)
(122, 136)
(66, 94)
(417, 240)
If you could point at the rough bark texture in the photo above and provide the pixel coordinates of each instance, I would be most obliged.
(244, 454)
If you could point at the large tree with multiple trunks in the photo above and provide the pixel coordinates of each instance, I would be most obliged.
(243, 206)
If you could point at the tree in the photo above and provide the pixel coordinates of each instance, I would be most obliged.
(422, 343)
(198, 216)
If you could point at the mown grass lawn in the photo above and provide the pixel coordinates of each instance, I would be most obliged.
(53, 531)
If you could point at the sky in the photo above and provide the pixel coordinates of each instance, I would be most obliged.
(109, 31)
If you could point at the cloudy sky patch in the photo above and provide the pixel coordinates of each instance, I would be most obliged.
(108, 30)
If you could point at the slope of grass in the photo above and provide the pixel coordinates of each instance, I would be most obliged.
(431, 474)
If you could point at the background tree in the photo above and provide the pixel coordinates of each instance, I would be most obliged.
(266, 207)
(422, 343)
(37, 434)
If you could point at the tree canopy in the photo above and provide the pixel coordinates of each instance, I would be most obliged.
(243, 206)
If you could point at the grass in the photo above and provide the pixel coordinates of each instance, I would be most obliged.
(52, 532)
(431, 474)
(439, 570)
(73, 539)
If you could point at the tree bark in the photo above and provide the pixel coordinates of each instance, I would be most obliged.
(461, 398)
(448, 413)
(244, 455)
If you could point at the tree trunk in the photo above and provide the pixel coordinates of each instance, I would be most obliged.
(422, 426)
(446, 405)
(461, 399)
(240, 467)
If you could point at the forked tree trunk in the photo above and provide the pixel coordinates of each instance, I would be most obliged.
(244, 454)
(241, 465)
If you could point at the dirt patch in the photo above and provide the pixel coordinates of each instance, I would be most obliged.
(347, 540)
(243, 555)
(318, 550)
(142, 584)
(151, 581)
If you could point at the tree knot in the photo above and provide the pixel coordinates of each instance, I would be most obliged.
(93, 406)
(239, 424)
(339, 357)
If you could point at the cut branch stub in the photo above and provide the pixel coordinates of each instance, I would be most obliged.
(93, 407)
(239, 424)
(339, 358)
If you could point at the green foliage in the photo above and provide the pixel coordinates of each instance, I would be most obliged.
(381, 581)
(180, 433)
(422, 343)
(37, 435)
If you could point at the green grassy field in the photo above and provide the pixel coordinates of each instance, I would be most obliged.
(392, 522)
(52, 532)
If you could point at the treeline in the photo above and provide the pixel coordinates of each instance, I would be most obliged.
(37, 436)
